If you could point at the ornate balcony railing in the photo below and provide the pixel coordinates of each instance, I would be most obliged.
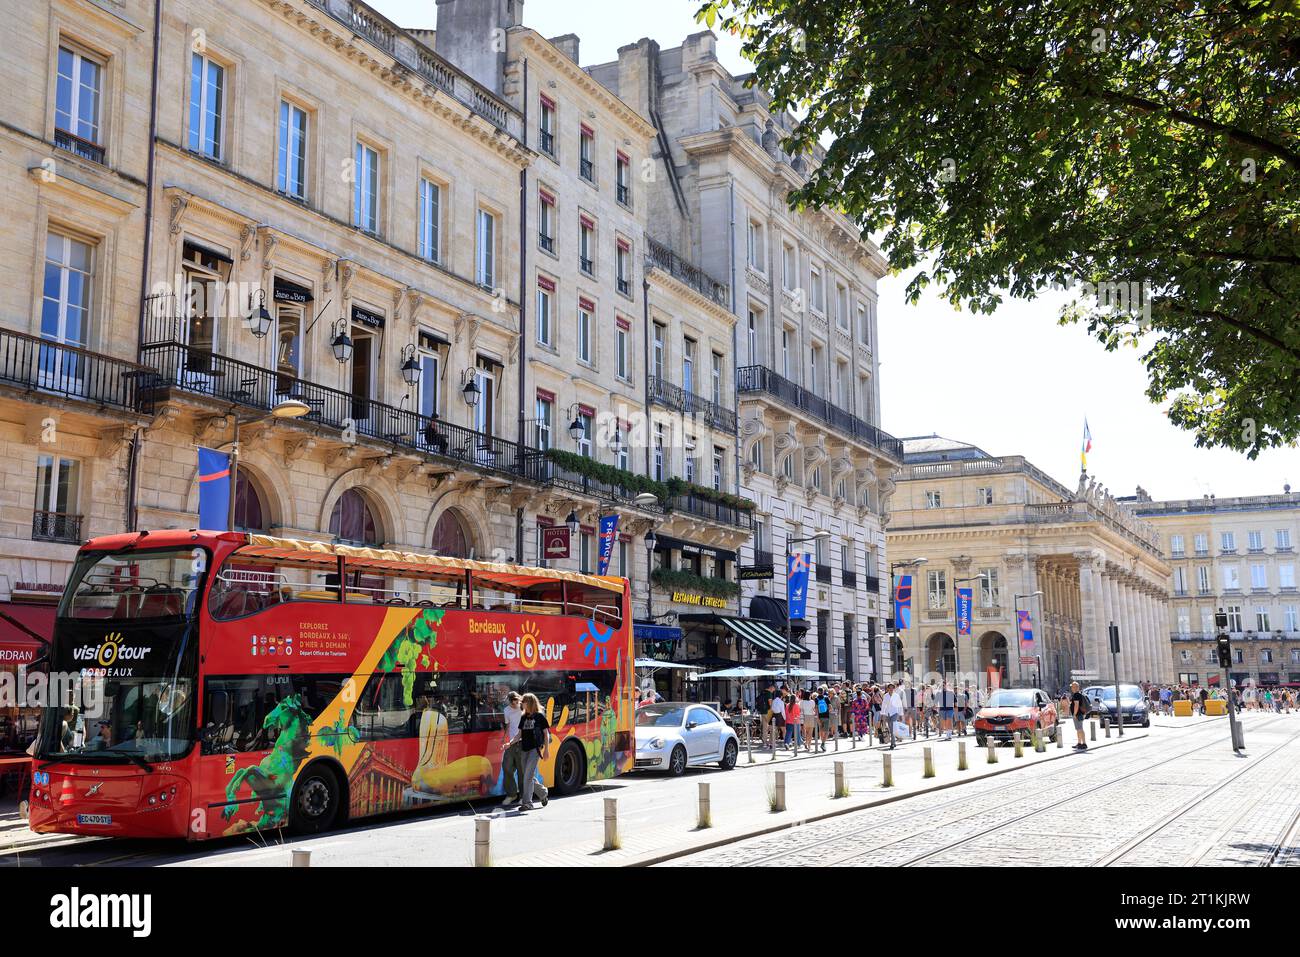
(546, 141)
(763, 379)
(682, 400)
(202, 372)
(539, 468)
(849, 579)
(711, 510)
(56, 527)
(546, 242)
(873, 583)
(623, 193)
(824, 573)
(52, 368)
(587, 170)
(76, 145)
(662, 257)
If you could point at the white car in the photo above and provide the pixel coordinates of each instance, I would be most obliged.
(674, 735)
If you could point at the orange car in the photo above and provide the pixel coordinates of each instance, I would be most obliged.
(1016, 709)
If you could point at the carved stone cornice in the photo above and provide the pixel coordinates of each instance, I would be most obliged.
(163, 418)
(112, 441)
(297, 448)
(208, 427)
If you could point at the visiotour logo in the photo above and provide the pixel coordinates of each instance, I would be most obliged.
(529, 648)
(75, 911)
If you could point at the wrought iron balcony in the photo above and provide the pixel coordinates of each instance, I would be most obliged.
(540, 468)
(849, 579)
(713, 511)
(623, 193)
(662, 257)
(546, 242)
(42, 367)
(873, 583)
(682, 400)
(201, 372)
(546, 142)
(624, 285)
(824, 573)
(56, 527)
(75, 144)
(586, 265)
(751, 379)
(587, 170)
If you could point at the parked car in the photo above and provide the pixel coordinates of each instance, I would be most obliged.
(1016, 709)
(1132, 702)
(674, 735)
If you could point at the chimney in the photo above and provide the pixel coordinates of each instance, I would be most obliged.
(567, 44)
(472, 35)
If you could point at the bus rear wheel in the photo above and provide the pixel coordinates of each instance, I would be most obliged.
(314, 804)
(570, 768)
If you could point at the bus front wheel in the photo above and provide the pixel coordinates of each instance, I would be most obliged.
(315, 805)
(570, 768)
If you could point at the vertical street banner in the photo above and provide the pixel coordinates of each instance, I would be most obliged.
(214, 490)
(608, 534)
(903, 603)
(1026, 626)
(964, 602)
(796, 585)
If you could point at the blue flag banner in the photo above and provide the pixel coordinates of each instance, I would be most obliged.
(796, 585)
(608, 534)
(964, 602)
(214, 490)
(1026, 626)
(903, 603)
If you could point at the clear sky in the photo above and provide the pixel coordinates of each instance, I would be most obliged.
(1013, 383)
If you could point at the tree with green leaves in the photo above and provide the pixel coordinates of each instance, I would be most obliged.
(1144, 154)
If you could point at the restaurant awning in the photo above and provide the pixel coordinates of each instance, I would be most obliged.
(17, 647)
(765, 639)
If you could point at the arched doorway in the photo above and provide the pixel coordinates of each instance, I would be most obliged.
(353, 520)
(940, 654)
(450, 536)
(251, 512)
(994, 657)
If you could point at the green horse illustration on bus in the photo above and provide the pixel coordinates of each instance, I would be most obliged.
(271, 780)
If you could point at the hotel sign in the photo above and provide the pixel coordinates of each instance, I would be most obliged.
(693, 598)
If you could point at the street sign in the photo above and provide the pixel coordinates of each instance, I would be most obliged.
(1027, 659)
(749, 573)
(555, 541)
(1089, 675)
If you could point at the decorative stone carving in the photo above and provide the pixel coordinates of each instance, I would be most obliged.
(208, 427)
(163, 418)
(179, 205)
(297, 448)
(247, 235)
(112, 441)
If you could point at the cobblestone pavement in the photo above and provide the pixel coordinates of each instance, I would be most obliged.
(1182, 801)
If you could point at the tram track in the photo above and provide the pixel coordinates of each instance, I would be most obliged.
(1053, 781)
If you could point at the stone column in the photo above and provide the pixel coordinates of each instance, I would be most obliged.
(1107, 616)
(1148, 629)
(1090, 626)
(1116, 605)
(1130, 655)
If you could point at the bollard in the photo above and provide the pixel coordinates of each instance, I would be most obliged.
(1020, 745)
(1040, 746)
(482, 841)
(841, 784)
(887, 780)
(611, 824)
(300, 858)
(705, 817)
(961, 755)
(1092, 729)
(993, 752)
(778, 797)
(749, 744)
(854, 735)
(1105, 723)
(1060, 738)
(929, 762)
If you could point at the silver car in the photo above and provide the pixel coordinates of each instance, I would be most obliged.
(674, 735)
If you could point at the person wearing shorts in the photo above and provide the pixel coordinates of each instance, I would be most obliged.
(1078, 711)
(826, 705)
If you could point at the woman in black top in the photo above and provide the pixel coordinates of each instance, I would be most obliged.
(534, 742)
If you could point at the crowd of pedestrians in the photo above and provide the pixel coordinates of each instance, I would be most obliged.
(810, 718)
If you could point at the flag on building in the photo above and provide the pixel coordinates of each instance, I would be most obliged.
(903, 603)
(796, 585)
(1087, 445)
(214, 490)
(608, 533)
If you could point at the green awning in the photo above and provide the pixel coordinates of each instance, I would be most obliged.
(761, 636)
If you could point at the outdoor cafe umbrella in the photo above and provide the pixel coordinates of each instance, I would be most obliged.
(652, 664)
(740, 673)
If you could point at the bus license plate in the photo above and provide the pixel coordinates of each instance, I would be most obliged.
(94, 819)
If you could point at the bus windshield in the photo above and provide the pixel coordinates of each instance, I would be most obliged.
(149, 719)
(134, 584)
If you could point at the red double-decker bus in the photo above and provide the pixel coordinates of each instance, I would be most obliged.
(233, 682)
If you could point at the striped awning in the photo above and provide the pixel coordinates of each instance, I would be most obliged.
(761, 636)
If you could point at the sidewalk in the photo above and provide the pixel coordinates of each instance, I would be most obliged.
(657, 815)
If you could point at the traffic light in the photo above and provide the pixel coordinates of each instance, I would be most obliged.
(1220, 621)
(1225, 652)
(1114, 638)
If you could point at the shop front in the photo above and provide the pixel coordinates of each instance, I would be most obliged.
(20, 650)
(657, 643)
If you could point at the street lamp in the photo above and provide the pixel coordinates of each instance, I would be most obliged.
(819, 536)
(410, 365)
(284, 409)
(649, 585)
(1020, 666)
(576, 428)
(258, 320)
(342, 342)
(470, 390)
(914, 563)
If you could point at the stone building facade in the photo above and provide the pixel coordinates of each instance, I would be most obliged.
(1236, 556)
(1003, 528)
(802, 288)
